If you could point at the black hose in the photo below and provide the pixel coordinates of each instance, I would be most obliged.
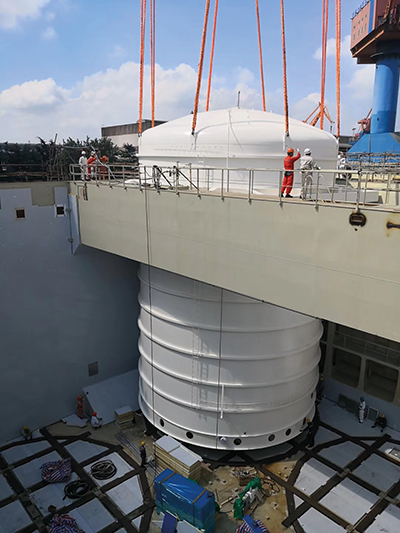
(76, 489)
(103, 470)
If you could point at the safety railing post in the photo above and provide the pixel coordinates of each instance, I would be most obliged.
(227, 180)
(222, 184)
(198, 181)
(333, 186)
(190, 176)
(249, 195)
(123, 176)
(388, 188)
(208, 179)
(317, 191)
(358, 191)
(280, 186)
(365, 189)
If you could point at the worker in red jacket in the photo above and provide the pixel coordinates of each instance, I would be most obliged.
(91, 166)
(288, 176)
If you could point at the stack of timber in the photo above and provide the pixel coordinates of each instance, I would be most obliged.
(169, 453)
(124, 417)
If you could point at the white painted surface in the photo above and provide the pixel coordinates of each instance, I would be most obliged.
(375, 470)
(136, 522)
(314, 522)
(235, 138)
(5, 489)
(310, 261)
(81, 450)
(387, 522)
(128, 495)
(342, 454)
(52, 494)
(92, 517)
(313, 475)
(349, 501)
(221, 366)
(108, 395)
(13, 517)
(29, 474)
(12, 455)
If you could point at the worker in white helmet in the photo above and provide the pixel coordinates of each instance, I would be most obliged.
(83, 163)
(307, 165)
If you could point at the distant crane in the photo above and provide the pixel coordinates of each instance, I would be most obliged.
(315, 116)
(365, 123)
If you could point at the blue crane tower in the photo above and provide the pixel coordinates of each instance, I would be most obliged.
(375, 39)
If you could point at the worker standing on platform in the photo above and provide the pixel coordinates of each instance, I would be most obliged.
(143, 454)
(307, 165)
(92, 166)
(288, 176)
(83, 163)
(361, 410)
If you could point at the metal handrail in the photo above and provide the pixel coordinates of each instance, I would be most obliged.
(328, 186)
(367, 348)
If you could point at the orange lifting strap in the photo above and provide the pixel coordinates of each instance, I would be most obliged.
(153, 57)
(203, 44)
(325, 13)
(285, 89)
(261, 57)
(338, 60)
(212, 56)
(142, 36)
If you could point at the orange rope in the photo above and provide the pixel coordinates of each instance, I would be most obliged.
(200, 72)
(338, 60)
(212, 56)
(285, 89)
(325, 13)
(153, 57)
(142, 36)
(261, 57)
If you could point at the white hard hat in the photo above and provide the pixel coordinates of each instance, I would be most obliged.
(83, 152)
(307, 151)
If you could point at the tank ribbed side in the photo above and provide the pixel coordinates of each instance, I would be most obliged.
(221, 370)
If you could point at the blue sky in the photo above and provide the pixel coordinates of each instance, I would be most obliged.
(71, 66)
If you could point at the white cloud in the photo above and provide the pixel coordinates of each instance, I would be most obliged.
(13, 11)
(117, 52)
(42, 108)
(244, 75)
(32, 96)
(331, 49)
(304, 107)
(362, 82)
(49, 33)
(49, 16)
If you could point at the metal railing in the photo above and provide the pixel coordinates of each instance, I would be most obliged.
(365, 347)
(328, 187)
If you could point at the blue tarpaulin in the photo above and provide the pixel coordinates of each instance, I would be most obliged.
(186, 499)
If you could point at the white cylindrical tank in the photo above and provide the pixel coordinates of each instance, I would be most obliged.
(221, 370)
(234, 139)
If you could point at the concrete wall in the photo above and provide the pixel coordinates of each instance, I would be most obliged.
(58, 312)
(292, 255)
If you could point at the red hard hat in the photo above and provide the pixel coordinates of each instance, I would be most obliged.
(290, 151)
(94, 413)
